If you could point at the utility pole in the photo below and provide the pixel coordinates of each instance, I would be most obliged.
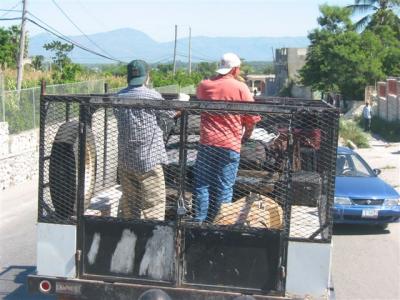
(190, 50)
(21, 47)
(176, 35)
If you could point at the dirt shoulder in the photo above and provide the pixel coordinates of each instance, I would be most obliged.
(384, 156)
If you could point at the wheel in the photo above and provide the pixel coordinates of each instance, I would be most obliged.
(383, 226)
(63, 169)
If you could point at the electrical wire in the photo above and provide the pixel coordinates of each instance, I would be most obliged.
(76, 26)
(10, 19)
(66, 39)
(7, 11)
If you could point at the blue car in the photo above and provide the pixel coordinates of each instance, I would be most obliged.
(361, 197)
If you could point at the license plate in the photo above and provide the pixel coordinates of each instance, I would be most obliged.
(369, 213)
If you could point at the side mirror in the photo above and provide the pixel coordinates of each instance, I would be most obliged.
(377, 171)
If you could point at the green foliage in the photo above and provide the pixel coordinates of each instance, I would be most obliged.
(181, 78)
(9, 46)
(37, 62)
(61, 51)
(65, 70)
(342, 60)
(349, 130)
(376, 13)
(206, 69)
(389, 131)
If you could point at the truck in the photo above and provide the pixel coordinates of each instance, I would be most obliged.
(273, 241)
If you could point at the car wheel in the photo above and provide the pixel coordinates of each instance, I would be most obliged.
(63, 169)
(383, 226)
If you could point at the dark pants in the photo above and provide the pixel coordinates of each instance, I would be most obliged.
(367, 124)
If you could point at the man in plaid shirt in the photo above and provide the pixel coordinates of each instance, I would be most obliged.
(141, 150)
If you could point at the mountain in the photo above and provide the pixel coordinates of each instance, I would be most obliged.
(127, 44)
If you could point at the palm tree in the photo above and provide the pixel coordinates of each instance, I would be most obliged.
(382, 11)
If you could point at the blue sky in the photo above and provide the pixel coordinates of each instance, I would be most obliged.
(239, 18)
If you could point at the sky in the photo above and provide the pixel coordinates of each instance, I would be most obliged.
(157, 18)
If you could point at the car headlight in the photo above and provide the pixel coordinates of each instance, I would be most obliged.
(342, 200)
(391, 202)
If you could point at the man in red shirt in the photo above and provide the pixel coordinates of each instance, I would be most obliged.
(221, 136)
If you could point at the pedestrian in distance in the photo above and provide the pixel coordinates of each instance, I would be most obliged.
(221, 135)
(367, 116)
(141, 149)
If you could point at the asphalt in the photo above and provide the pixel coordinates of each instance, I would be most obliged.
(366, 261)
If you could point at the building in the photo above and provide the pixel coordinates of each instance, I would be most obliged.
(288, 62)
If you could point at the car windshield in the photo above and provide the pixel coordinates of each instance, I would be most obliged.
(352, 165)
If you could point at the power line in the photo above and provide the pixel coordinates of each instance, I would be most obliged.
(7, 11)
(10, 19)
(76, 26)
(196, 57)
(62, 37)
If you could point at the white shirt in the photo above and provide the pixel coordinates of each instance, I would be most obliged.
(367, 112)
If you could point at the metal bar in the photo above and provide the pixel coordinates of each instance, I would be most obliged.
(249, 107)
(43, 112)
(67, 111)
(81, 187)
(105, 134)
(34, 108)
(288, 203)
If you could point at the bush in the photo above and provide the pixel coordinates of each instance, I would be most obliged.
(349, 130)
(389, 131)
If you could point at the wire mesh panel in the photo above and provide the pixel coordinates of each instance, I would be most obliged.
(261, 166)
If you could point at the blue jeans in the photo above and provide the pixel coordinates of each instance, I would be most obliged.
(214, 176)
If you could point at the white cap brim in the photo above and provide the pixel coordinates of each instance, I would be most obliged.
(223, 71)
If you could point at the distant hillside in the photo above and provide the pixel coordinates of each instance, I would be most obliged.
(127, 44)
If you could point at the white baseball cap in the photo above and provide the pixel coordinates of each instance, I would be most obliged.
(228, 61)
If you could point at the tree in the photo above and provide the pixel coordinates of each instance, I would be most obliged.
(61, 50)
(382, 12)
(37, 62)
(339, 59)
(9, 45)
(67, 71)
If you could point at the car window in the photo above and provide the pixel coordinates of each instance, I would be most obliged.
(351, 165)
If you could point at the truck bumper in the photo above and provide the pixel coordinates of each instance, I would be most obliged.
(72, 289)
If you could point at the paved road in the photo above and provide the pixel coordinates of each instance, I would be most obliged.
(18, 207)
(366, 261)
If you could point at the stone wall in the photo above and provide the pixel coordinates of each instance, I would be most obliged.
(388, 99)
(18, 156)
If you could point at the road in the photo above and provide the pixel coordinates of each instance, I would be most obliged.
(366, 261)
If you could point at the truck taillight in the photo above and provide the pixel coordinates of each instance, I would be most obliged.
(45, 286)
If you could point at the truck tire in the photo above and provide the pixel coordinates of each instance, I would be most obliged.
(63, 169)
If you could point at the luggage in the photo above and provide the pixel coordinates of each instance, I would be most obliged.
(306, 188)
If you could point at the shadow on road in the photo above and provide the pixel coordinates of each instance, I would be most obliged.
(354, 229)
(20, 276)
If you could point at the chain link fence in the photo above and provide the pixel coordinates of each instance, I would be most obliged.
(21, 110)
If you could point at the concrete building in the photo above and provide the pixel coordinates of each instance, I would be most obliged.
(263, 84)
(288, 62)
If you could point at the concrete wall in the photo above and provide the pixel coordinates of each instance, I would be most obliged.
(288, 62)
(18, 156)
(388, 99)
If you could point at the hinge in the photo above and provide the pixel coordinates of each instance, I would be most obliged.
(78, 255)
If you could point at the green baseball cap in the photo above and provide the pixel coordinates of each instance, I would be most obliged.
(138, 71)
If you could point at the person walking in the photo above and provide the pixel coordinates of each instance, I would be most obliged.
(367, 116)
(221, 135)
(141, 149)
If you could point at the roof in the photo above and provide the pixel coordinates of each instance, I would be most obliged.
(344, 150)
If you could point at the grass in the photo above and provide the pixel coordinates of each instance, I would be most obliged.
(351, 131)
(389, 131)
